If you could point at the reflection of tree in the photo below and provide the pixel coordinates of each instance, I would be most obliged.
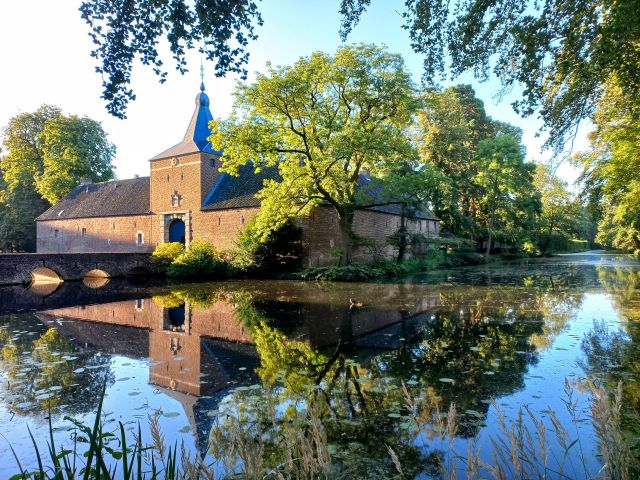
(613, 357)
(476, 346)
(45, 371)
(199, 296)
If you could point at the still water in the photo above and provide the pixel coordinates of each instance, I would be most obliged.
(379, 364)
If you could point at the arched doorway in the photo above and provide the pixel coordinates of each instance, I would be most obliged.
(176, 231)
(176, 317)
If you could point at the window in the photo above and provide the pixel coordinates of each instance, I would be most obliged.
(139, 303)
(84, 233)
(140, 238)
(55, 233)
(212, 162)
(175, 199)
(181, 176)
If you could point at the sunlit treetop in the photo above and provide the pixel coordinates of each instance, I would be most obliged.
(561, 52)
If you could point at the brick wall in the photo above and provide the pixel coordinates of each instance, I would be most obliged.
(192, 176)
(221, 227)
(321, 235)
(103, 234)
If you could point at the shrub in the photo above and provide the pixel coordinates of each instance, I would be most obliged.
(280, 252)
(201, 259)
(529, 249)
(165, 253)
(350, 273)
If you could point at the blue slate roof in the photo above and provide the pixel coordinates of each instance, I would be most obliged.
(195, 138)
(238, 191)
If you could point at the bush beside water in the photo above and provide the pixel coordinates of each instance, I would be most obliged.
(203, 260)
(388, 268)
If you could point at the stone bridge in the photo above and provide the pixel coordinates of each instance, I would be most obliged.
(27, 268)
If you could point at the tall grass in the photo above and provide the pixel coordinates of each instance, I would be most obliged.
(529, 446)
(111, 456)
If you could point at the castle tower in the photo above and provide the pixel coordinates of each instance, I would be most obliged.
(182, 176)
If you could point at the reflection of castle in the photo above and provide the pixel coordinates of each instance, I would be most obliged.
(188, 346)
(187, 197)
(197, 352)
(174, 340)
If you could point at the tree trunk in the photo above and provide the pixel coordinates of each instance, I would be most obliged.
(488, 250)
(402, 240)
(345, 221)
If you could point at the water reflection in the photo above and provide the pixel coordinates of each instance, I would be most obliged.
(370, 360)
(612, 350)
(44, 371)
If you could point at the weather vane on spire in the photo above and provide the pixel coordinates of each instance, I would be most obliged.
(201, 76)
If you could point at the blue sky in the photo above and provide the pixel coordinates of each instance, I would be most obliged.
(45, 59)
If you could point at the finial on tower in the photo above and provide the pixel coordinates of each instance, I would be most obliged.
(201, 76)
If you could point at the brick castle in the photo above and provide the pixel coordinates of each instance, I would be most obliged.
(186, 197)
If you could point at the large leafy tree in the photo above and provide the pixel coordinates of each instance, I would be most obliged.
(46, 154)
(562, 215)
(323, 123)
(507, 201)
(561, 52)
(611, 169)
(451, 125)
(128, 30)
(73, 148)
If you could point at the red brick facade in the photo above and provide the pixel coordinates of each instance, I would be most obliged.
(105, 234)
(180, 183)
(321, 235)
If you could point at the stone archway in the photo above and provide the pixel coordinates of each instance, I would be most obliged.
(176, 227)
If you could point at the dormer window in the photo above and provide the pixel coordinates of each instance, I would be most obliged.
(175, 199)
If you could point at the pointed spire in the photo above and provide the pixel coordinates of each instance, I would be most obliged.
(198, 129)
(195, 138)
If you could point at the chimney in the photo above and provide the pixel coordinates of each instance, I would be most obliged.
(136, 176)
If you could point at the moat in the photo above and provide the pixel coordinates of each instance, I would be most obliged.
(491, 339)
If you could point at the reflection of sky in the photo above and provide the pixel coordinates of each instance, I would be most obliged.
(129, 400)
(544, 389)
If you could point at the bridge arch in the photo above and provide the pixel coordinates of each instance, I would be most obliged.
(96, 273)
(45, 275)
(96, 278)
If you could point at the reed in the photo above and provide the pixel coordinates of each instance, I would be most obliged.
(527, 447)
